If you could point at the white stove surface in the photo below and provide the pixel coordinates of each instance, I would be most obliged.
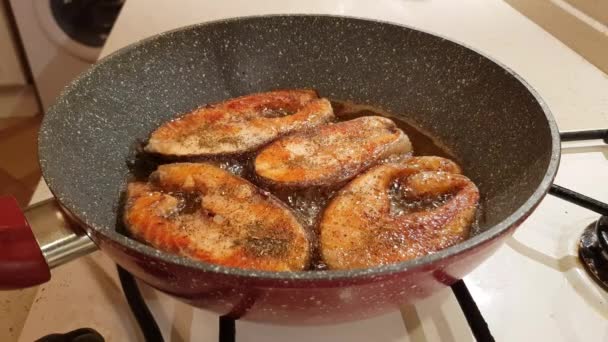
(532, 288)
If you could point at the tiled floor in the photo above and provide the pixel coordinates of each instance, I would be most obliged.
(19, 170)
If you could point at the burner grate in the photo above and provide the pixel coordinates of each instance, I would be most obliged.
(471, 312)
(585, 135)
(143, 316)
(593, 244)
(579, 199)
(227, 329)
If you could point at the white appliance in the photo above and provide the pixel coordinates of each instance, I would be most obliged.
(62, 38)
(17, 96)
(11, 70)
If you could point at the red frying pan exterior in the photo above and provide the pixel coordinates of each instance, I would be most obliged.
(501, 131)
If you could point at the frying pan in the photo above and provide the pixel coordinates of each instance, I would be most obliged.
(493, 121)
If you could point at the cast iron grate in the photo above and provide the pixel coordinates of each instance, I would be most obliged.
(593, 243)
(593, 251)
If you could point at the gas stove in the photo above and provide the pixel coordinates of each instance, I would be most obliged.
(534, 286)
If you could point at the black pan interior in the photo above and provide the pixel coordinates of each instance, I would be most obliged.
(492, 121)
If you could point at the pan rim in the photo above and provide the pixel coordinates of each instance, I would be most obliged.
(513, 220)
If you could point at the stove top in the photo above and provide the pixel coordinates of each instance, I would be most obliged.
(577, 253)
(534, 286)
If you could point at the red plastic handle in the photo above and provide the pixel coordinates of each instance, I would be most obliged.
(21, 261)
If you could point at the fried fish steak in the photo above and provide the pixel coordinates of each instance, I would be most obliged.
(360, 228)
(203, 212)
(240, 125)
(330, 154)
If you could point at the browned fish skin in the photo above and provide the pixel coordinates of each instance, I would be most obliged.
(330, 154)
(203, 212)
(359, 230)
(240, 125)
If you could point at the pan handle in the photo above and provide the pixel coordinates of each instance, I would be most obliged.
(34, 241)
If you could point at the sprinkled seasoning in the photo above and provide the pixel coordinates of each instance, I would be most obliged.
(308, 203)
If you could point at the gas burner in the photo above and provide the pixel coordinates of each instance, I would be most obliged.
(593, 244)
(593, 251)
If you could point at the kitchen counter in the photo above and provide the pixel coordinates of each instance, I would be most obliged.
(86, 292)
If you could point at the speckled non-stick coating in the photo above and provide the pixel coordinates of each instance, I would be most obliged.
(503, 134)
